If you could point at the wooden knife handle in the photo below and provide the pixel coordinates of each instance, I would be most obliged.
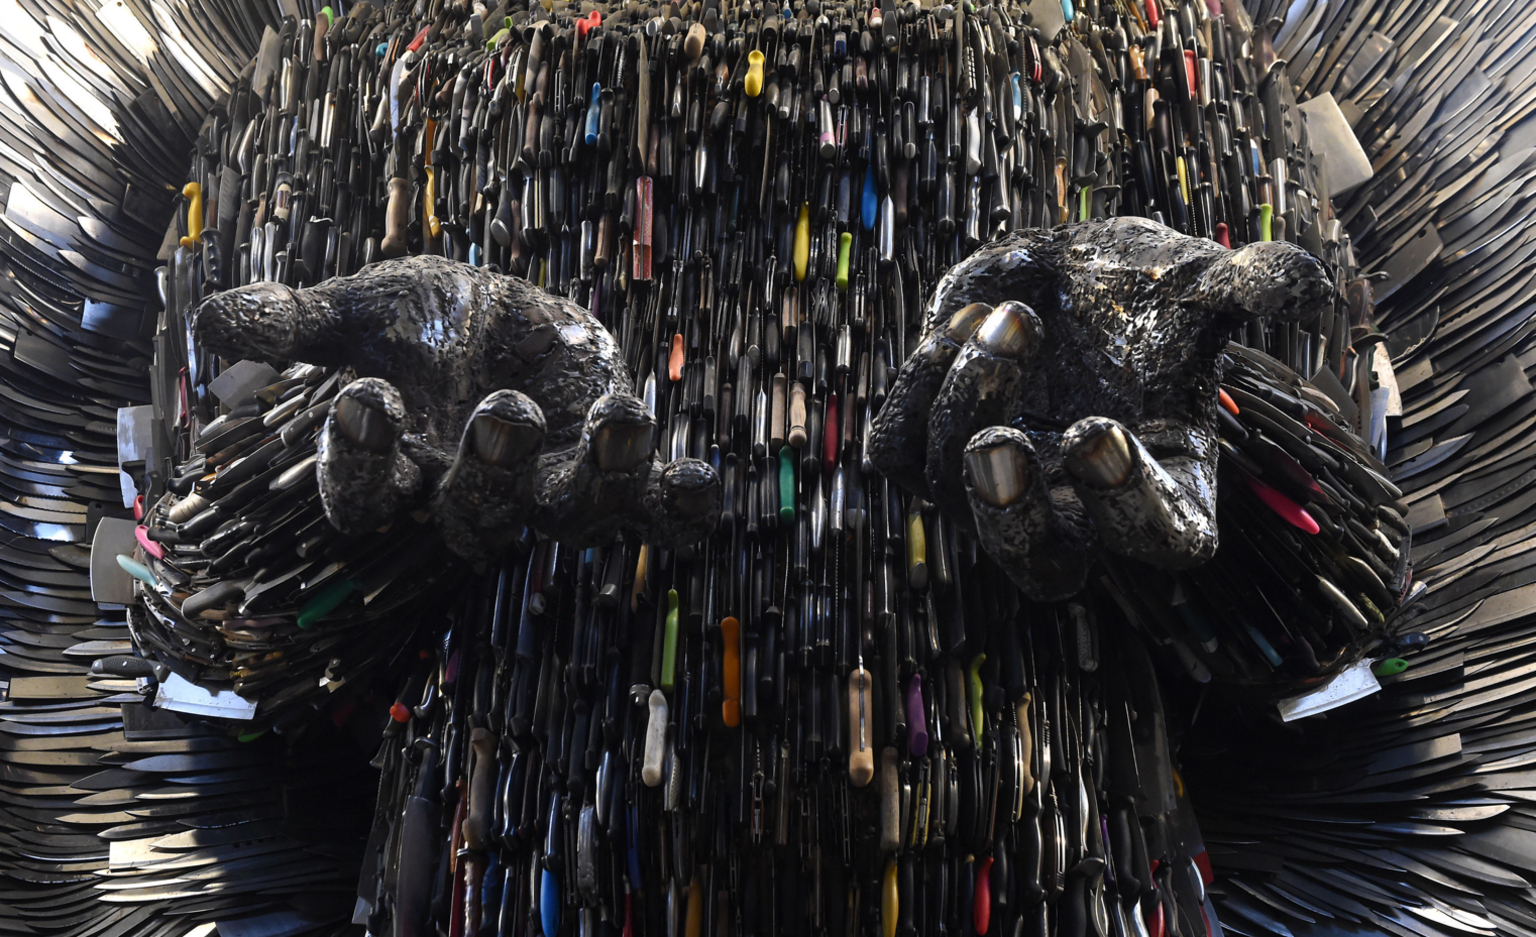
(396, 216)
(861, 749)
(482, 789)
(1026, 746)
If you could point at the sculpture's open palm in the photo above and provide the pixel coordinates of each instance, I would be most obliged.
(480, 396)
(1064, 394)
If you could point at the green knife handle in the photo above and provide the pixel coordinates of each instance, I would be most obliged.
(669, 644)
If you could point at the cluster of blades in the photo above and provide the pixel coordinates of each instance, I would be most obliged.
(571, 756)
(115, 819)
(247, 586)
(1404, 815)
(1314, 552)
(1411, 813)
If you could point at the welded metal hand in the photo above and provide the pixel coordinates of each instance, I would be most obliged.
(1063, 397)
(480, 397)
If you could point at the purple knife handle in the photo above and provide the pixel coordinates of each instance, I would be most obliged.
(917, 723)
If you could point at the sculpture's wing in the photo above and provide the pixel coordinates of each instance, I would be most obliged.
(113, 815)
(1412, 813)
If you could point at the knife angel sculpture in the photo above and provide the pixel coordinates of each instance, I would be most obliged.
(406, 596)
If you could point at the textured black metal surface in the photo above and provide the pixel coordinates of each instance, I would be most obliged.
(1402, 815)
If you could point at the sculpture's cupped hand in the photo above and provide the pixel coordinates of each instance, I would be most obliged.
(480, 398)
(1063, 397)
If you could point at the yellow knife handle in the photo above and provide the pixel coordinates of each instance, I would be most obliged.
(194, 196)
(917, 551)
(753, 83)
(890, 900)
(978, 712)
(803, 242)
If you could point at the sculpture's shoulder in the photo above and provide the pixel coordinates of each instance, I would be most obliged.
(1133, 245)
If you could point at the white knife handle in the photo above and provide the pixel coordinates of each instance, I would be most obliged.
(655, 740)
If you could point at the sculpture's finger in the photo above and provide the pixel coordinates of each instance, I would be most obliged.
(488, 491)
(1037, 534)
(979, 390)
(588, 493)
(682, 503)
(1160, 513)
(898, 436)
(1270, 279)
(268, 322)
(361, 470)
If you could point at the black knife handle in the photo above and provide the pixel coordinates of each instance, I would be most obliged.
(1128, 874)
(123, 665)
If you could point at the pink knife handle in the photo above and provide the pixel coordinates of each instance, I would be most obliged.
(1291, 512)
(141, 534)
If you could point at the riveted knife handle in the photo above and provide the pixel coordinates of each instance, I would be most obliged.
(123, 665)
(396, 217)
(861, 750)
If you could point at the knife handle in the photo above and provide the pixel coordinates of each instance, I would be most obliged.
(917, 550)
(796, 437)
(753, 83)
(122, 665)
(472, 875)
(917, 723)
(1026, 747)
(549, 903)
(730, 707)
(890, 900)
(890, 803)
(978, 710)
(905, 925)
(1127, 874)
(669, 644)
(655, 740)
(693, 922)
(861, 751)
(802, 248)
(1072, 908)
(981, 906)
(194, 195)
(396, 216)
(957, 728)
